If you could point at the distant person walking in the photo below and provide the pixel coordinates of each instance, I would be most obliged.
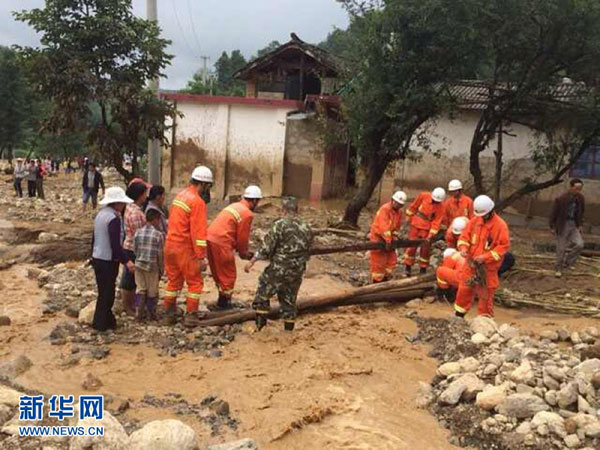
(31, 179)
(91, 183)
(19, 173)
(107, 254)
(566, 221)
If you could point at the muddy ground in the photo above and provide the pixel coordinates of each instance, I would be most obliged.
(345, 379)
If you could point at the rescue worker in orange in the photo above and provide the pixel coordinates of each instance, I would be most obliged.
(457, 204)
(425, 214)
(448, 274)
(455, 230)
(230, 232)
(185, 248)
(484, 241)
(384, 228)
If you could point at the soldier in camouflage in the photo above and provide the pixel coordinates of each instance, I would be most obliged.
(286, 246)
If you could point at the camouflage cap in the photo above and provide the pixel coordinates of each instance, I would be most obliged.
(290, 204)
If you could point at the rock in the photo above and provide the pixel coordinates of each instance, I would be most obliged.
(523, 373)
(72, 311)
(219, 407)
(596, 379)
(592, 331)
(123, 406)
(524, 428)
(489, 370)
(555, 372)
(592, 429)
(575, 338)
(583, 406)
(469, 364)
(115, 437)
(86, 315)
(47, 237)
(4, 321)
(91, 383)
(8, 396)
(449, 368)
(543, 430)
(586, 338)
(550, 382)
(416, 303)
(483, 325)
(244, 444)
(550, 335)
(424, 395)
(563, 334)
(491, 396)
(478, 339)
(508, 332)
(553, 421)
(5, 414)
(567, 395)
(551, 398)
(452, 393)
(590, 352)
(572, 441)
(522, 406)
(570, 426)
(164, 435)
(15, 367)
(588, 367)
(524, 389)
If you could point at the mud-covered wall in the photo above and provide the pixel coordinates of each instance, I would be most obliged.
(454, 138)
(301, 148)
(241, 143)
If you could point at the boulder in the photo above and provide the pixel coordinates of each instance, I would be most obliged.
(491, 396)
(508, 332)
(453, 393)
(164, 435)
(115, 437)
(522, 406)
(15, 367)
(583, 406)
(592, 429)
(575, 338)
(469, 364)
(47, 237)
(524, 428)
(568, 395)
(424, 395)
(4, 321)
(550, 335)
(572, 441)
(483, 325)
(478, 339)
(596, 379)
(86, 315)
(551, 398)
(553, 421)
(91, 383)
(449, 368)
(523, 373)
(550, 382)
(5, 413)
(588, 367)
(244, 444)
(555, 372)
(563, 334)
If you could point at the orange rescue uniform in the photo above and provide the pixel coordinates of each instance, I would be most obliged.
(457, 207)
(384, 228)
(488, 241)
(230, 231)
(425, 220)
(451, 238)
(185, 246)
(448, 274)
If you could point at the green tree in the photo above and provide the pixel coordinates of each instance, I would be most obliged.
(269, 48)
(404, 54)
(15, 107)
(530, 45)
(97, 54)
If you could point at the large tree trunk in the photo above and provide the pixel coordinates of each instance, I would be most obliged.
(375, 171)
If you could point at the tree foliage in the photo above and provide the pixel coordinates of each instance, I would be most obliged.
(404, 52)
(222, 82)
(97, 54)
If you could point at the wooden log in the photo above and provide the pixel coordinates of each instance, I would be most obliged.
(327, 300)
(345, 233)
(590, 253)
(365, 246)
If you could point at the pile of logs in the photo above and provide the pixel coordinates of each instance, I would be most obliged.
(397, 291)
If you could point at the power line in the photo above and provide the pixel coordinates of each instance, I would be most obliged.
(193, 26)
(190, 48)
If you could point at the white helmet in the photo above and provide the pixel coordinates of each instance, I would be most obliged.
(449, 252)
(253, 192)
(458, 225)
(400, 197)
(483, 205)
(115, 194)
(438, 194)
(203, 174)
(454, 185)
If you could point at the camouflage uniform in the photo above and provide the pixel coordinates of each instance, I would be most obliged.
(286, 245)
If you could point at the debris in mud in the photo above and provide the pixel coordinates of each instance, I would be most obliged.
(512, 391)
(91, 383)
(15, 367)
(4, 321)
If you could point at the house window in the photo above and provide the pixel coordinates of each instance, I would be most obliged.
(588, 165)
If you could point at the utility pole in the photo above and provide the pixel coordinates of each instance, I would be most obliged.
(204, 69)
(153, 144)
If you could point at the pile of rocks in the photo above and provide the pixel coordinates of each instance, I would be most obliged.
(535, 391)
(158, 434)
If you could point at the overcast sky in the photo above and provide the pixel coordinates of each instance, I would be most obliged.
(207, 27)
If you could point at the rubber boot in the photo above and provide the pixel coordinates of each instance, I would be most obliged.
(128, 298)
(224, 301)
(288, 325)
(408, 270)
(459, 314)
(261, 321)
(451, 295)
(151, 308)
(170, 316)
(140, 309)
